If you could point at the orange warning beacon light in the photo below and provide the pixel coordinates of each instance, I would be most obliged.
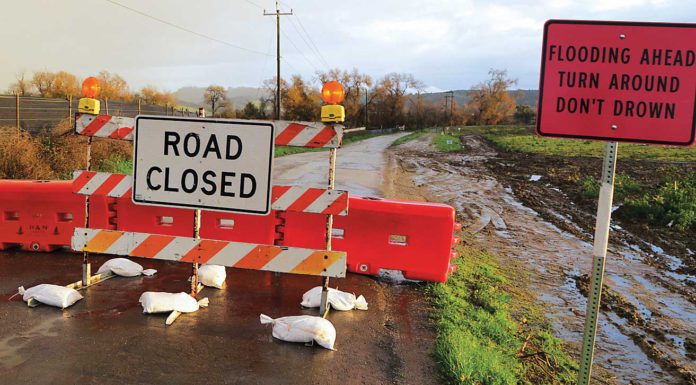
(332, 93)
(90, 89)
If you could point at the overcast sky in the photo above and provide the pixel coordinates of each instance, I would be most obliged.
(446, 44)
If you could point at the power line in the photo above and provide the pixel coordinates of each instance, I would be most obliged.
(298, 50)
(291, 66)
(188, 30)
(316, 53)
(313, 46)
(254, 4)
(312, 41)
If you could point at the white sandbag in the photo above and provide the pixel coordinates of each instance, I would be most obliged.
(339, 300)
(212, 275)
(149, 272)
(156, 302)
(121, 266)
(53, 295)
(303, 328)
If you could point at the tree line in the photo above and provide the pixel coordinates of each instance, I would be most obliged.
(63, 84)
(395, 99)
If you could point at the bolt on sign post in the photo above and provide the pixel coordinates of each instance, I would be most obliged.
(615, 82)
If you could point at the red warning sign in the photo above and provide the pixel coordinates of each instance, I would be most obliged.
(618, 81)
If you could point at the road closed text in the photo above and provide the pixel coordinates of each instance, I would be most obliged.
(190, 148)
(203, 163)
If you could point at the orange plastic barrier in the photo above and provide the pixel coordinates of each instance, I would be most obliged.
(412, 237)
(150, 219)
(41, 215)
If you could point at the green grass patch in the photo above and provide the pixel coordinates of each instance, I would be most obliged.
(412, 136)
(624, 187)
(287, 150)
(522, 139)
(447, 143)
(478, 339)
(116, 165)
(671, 204)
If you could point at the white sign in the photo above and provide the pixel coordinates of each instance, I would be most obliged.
(212, 164)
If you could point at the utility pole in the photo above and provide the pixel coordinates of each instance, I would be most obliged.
(449, 96)
(277, 14)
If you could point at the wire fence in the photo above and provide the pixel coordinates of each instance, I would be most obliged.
(33, 113)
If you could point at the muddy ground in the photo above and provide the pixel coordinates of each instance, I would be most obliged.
(648, 325)
(105, 338)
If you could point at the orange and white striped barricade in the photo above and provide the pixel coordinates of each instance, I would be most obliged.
(327, 202)
(278, 259)
(287, 133)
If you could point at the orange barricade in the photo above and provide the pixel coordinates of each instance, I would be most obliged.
(412, 237)
(39, 215)
(150, 219)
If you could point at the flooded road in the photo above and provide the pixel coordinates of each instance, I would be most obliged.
(106, 339)
(640, 339)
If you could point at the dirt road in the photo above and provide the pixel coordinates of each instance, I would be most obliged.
(642, 335)
(105, 338)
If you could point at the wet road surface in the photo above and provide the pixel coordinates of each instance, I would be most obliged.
(105, 338)
(359, 167)
(552, 257)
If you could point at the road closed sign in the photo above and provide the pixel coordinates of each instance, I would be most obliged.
(618, 81)
(222, 165)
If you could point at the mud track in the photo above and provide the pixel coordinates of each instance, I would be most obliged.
(648, 324)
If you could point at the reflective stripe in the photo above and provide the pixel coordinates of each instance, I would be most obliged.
(233, 254)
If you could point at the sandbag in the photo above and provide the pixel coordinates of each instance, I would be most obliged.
(303, 328)
(212, 275)
(53, 295)
(339, 300)
(157, 302)
(121, 266)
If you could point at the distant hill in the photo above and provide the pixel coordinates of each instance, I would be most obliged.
(523, 97)
(193, 96)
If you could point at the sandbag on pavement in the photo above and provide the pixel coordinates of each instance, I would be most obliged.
(303, 328)
(157, 302)
(212, 275)
(121, 266)
(339, 300)
(52, 295)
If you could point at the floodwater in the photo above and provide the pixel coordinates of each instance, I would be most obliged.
(552, 257)
(106, 339)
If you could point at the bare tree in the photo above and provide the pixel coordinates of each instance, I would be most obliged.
(490, 102)
(215, 96)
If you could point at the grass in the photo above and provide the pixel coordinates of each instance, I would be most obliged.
(412, 136)
(478, 339)
(624, 187)
(447, 143)
(522, 139)
(671, 204)
(116, 165)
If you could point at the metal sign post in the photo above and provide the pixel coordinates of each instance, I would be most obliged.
(324, 305)
(615, 81)
(599, 254)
